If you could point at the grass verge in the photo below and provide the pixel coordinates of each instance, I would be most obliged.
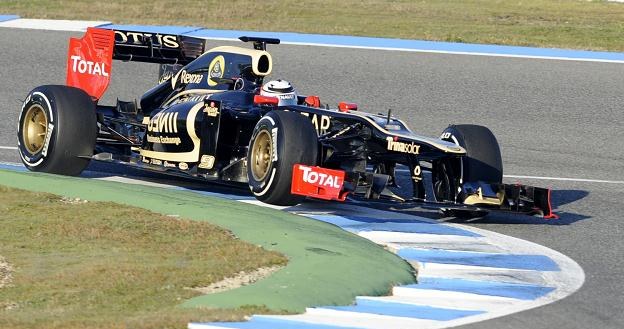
(104, 265)
(327, 266)
(579, 24)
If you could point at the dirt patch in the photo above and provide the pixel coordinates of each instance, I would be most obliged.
(67, 200)
(5, 272)
(241, 279)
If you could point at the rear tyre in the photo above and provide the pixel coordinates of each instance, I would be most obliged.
(483, 161)
(279, 141)
(57, 130)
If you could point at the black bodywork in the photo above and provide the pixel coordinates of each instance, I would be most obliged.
(198, 121)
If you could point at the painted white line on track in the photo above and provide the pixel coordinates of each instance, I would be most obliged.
(491, 274)
(430, 51)
(585, 180)
(323, 316)
(567, 179)
(51, 24)
(8, 147)
(451, 299)
(132, 181)
(11, 164)
(436, 298)
(397, 240)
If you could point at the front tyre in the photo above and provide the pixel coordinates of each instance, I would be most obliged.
(279, 141)
(482, 162)
(57, 130)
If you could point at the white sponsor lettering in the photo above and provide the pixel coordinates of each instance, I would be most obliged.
(164, 140)
(169, 41)
(185, 99)
(165, 77)
(320, 124)
(187, 78)
(417, 172)
(274, 138)
(322, 179)
(46, 143)
(211, 110)
(164, 123)
(402, 147)
(206, 162)
(84, 66)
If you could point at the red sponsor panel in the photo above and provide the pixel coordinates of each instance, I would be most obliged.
(317, 182)
(89, 61)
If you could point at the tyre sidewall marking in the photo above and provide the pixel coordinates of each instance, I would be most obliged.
(42, 100)
(267, 123)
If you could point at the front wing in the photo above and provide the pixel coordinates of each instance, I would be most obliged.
(328, 184)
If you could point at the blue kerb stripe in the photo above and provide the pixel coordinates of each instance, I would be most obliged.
(363, 224)
(4, 18)
(489, 288)
(370, 42)
(414, 45)
(13, 167)
(405, 310)
(216, 194)
(274, 323)
(152, 29)
(510, 261)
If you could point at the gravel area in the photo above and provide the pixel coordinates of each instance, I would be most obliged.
(5, 272)
(241, 279)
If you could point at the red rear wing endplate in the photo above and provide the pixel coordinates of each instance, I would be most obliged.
(89, 61)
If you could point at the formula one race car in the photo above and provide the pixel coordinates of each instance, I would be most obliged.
(212, 117)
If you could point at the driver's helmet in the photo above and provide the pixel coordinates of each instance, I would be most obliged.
(281, 89)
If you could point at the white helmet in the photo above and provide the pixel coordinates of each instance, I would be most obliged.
(281, 89)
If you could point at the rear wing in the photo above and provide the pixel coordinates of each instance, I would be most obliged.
(89, 59)
(156, 47)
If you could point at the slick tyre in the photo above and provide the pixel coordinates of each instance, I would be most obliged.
(483, 160)
(57, 130)
(279, 141)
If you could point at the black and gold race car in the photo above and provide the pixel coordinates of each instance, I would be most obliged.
(211, 116)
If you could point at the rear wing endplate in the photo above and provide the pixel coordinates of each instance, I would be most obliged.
(89, 59)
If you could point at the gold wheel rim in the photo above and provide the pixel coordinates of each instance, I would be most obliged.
(34, 129)
(261, 154)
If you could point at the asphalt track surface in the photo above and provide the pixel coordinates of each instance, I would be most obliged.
(552, 118)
